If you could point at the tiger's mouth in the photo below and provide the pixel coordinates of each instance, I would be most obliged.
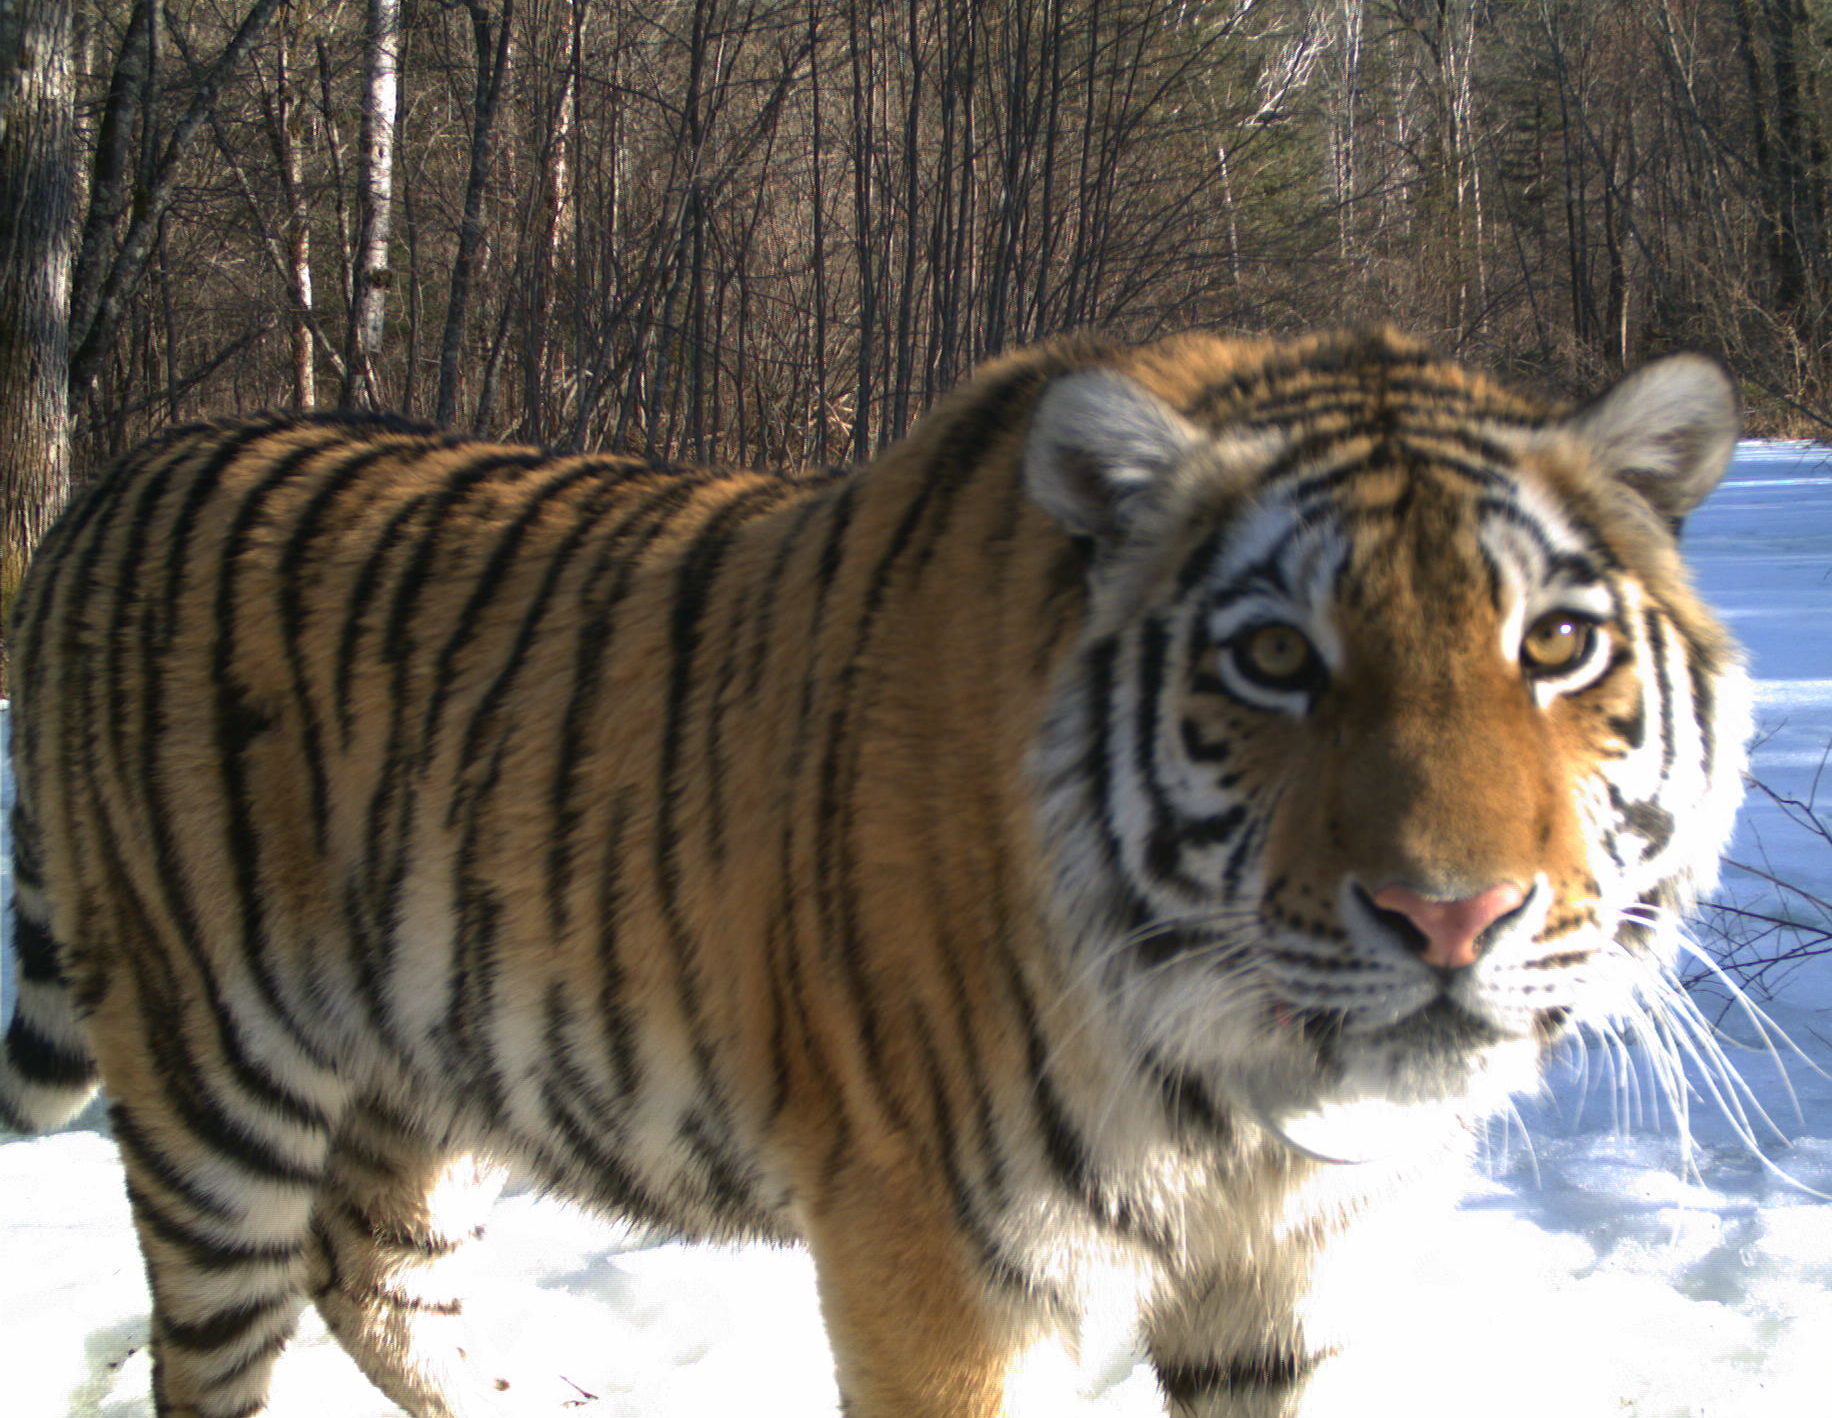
(1442, 1051)
(1442, 1025)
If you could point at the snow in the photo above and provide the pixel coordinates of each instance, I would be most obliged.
(1596, 1266)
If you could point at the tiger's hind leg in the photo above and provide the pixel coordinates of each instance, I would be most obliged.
(221, 1185)
(46, 1071)
(391, 1226)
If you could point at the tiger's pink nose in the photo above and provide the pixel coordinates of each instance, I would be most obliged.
(1451, 928)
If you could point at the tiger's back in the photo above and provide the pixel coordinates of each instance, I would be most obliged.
(824, 858)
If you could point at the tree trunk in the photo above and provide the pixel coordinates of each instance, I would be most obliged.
(37, 240)
(286, 126)
(492, 51)
(375, 201)
(110, 179)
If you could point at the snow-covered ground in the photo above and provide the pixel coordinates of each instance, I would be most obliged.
(1591, 1269)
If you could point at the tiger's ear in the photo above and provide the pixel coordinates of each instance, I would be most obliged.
(1099, 444)
(1667, 430)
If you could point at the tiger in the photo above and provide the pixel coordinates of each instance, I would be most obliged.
(1139, 825)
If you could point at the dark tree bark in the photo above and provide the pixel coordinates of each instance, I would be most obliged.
(37, 238)
(490, 41)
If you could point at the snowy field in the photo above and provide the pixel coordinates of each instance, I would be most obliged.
(1591, 1270)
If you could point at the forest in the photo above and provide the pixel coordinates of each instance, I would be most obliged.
(775, 230)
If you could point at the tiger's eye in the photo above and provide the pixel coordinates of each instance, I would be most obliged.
(1274, 655)
(1556, 642)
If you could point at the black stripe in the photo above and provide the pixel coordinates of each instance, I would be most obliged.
(34, 948)
(239, 721)
(472, 977)
(827, 566)
(392, 813)
(1701, 668)
(999, 409)
(1188, 1105)
(1064, 1148)
(76, 687)
(187, 1086)
(367, 953)
(223, 1327)
(730, 1179)
(446, 513)
(1657, 656)
(138, 1151)
(776, 967)
(602, 1174)
(1201, 561)
(202, 1251)
(262, 1354)
(1191, 1382)
(1238, 858)
(763, 600)
(1168, 834)
(794, 1019)
(490, 718)
(1492, 576)
(156, 634)
(1354, 368)
(837, 890)
(94, 506)
(744, 613)
(42, 1061)
(706, 1128)
(567, 1072)
(333, 481)
(1097, 761)
(1648, 820)
(616, 1023)
(607, 583)
(698, 570)
(363, 595)
(1632, 727)
(485, 585)
(28, 863)
(402, 1303)
(1504, 509)
(968, 1208)
(990, 1135)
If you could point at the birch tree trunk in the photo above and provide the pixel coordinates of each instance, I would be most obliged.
(286, 129)
(37, 240)
(375, 202)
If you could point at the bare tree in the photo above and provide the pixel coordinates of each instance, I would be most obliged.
(110, 270)
(778, 229)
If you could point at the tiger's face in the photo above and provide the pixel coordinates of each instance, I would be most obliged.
(1408, 739)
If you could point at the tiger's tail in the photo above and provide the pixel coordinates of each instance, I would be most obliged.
(47, 1073)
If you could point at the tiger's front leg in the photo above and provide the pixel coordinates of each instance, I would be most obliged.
(1232, 1346)
(913, 1331)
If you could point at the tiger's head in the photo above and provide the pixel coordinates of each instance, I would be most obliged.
(1396, 742)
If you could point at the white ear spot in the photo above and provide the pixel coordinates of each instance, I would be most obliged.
(1667, 430)
(1099, 443)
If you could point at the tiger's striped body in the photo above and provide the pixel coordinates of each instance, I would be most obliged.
(896, 862)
